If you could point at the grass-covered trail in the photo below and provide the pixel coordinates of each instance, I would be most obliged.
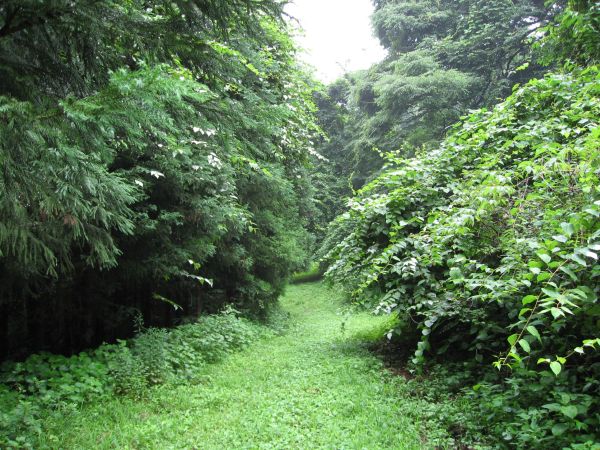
(313, 387)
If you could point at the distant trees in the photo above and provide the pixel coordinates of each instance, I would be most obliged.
(444, 58)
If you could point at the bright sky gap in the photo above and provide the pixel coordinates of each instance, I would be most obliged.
(337, 36)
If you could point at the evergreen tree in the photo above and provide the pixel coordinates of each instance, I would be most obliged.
(444, 58)
(168, 147)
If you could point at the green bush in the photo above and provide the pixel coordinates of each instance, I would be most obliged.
(490, 244)
(127, 373)
(214, 337)
(55, 379)
(19, 419)
(45, 382)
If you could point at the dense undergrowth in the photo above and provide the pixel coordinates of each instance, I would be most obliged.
(53, 385)
(489, 245)
(312, 383)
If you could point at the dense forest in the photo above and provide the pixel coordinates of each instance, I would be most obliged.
(154, 165)
(168, 166)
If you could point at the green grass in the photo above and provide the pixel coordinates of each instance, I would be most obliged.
(316, 386)
(313, 273)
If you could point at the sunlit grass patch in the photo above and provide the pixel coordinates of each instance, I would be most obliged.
(314, 386)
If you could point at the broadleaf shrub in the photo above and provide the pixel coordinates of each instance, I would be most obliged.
(45, 382)
(490, 244)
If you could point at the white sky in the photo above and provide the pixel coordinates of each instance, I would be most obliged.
(337, 36)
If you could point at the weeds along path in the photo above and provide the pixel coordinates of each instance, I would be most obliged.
(316, 386)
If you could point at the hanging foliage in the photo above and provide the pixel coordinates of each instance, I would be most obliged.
(489, 246)
(154, 161)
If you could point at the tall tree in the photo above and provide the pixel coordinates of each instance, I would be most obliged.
(168, 142)
(444, 58)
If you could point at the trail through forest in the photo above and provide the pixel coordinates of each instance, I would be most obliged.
(315, 386)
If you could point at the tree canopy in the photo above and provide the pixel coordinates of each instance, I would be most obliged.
(165, 160)
(154, 157)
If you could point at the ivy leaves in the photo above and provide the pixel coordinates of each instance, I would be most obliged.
(491, 243)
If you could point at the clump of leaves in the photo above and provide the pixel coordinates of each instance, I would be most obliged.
(46, 382)
(490, 244)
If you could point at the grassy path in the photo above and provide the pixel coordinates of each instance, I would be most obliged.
(314, 387)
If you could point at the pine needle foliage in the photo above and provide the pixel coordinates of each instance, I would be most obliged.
(154, 161)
